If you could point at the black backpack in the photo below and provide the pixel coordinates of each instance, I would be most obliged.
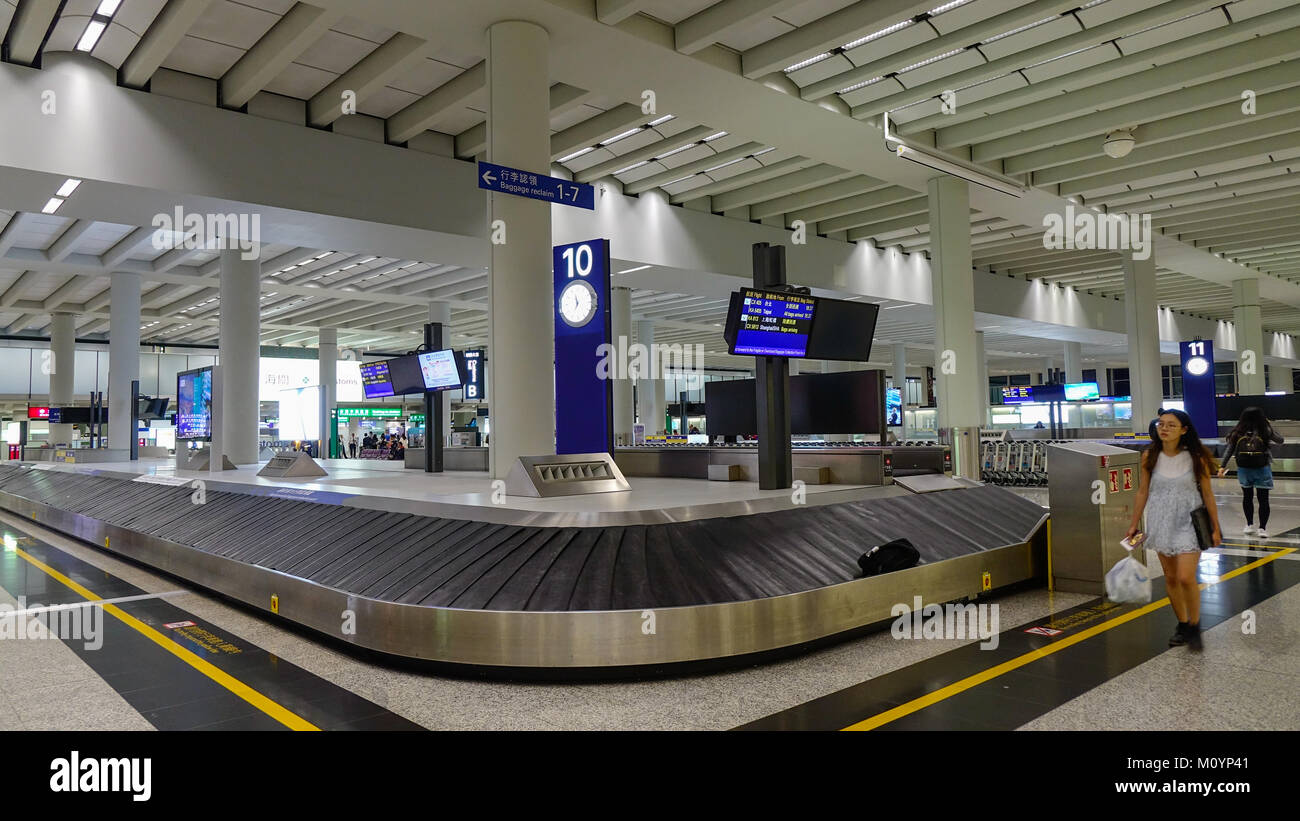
(888, 557)
(1252, 450)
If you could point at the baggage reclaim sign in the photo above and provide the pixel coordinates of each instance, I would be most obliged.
(506, 180)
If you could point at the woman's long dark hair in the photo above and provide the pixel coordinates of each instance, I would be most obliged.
(1252, 420)
(1202, 460)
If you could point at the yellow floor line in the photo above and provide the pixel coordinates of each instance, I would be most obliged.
(1034, 655)
(281, 714)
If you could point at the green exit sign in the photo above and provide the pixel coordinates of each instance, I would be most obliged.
(370, 413)
(416, 419)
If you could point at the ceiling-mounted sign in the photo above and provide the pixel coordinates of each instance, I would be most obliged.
(370, 413)
(505, 180)
(584, 401)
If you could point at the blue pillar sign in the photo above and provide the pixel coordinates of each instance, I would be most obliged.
(1198, 386)
(474, 389)
(584, 401)
(507, 180)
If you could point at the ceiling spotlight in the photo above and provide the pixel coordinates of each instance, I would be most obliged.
(1119, 143)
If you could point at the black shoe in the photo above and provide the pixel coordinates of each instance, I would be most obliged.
(1193, 636)
(1179, 638)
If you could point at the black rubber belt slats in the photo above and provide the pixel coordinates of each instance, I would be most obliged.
(462, 563)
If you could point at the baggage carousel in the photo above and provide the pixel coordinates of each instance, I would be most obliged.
(524, 591)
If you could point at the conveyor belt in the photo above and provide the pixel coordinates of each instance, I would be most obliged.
(400, 557)
(490, 594)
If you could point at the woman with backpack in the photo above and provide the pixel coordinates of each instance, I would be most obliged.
(1250, 442)
(1176, 470)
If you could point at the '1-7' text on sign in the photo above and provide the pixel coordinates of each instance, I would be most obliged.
(506, 180)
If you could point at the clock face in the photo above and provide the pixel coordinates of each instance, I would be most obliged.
(577, 303)
(1197, 366)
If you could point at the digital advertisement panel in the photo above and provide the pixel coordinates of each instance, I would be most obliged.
(194, 404)
(438, 369)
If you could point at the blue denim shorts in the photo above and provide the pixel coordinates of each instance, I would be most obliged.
(1256, 477)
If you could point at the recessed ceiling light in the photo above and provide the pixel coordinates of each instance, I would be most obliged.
(69, 185)
(638, 268)
(661, 120)
(108, 7)
(624, 135)
(576, 154)
(91, 35)
(52, 205)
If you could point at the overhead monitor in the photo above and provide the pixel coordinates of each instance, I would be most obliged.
(1048, 393)
(844, 330)
(375, 380)
(194, 404)
(1081, 391)
(439, 371)
(771, 323)
(1017, 394)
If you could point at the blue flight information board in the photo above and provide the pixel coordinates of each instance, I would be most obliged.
(1017, 394)
(773, 323)
(507, 180)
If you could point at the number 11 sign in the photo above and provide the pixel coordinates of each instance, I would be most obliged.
(506, 180)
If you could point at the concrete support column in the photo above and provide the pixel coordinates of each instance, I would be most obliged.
(982, 360)
(621, 327)
(1281, 379)
(123, 356)
(1142, 319)
(953, 293)
(650, 390)
(441, 312)
(238, 352)
(1250, 336)
(1045, 373)
(522, 376)
(327, 369)
(1073, 362)
(62, 368)
(900, 382)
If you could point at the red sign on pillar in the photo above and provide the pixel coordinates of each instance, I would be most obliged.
(1128, 478)
(1114, 481)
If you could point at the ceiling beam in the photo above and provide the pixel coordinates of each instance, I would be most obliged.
(744, 179)
(160, 40)
(11, 230)
(564, 98)
(27, 30)
(398, 55)
(447, 98)
(68, 240)
(825, 33)
(716, 22)
(606, 124)
(611, 12)
(293, 34)
(813, 177)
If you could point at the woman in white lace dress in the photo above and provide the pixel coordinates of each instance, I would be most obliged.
(1176, 471)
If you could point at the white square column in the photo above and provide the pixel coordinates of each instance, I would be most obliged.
(1142, 321)
(953, 294)
(1250, 337)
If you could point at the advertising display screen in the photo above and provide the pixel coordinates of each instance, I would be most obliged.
(38, 412)
(194, 404)
(300, 414)
(1078, 391)
(771, 323)
(1017, 394)
(894, 407)
(375, 380)
(439, 371)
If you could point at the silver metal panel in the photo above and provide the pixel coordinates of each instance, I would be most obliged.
(549, 640)
(929, 483)
(536, 475)
(1091, 509)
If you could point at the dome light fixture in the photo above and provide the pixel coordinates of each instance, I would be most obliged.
(1119, 143)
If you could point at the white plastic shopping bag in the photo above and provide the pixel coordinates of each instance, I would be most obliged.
(1127, 581)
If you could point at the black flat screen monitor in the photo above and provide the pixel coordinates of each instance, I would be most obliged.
(841, 330)
(439, 371)
(771, 323)
(849, 402)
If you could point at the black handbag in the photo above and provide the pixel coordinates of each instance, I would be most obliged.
(898, 554)
(1204, 529)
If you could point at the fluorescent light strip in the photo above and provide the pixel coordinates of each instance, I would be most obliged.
(108, 7)
(805, 63)
(724, 165)
(686, 147)
(69, 185)
(90, 37)
(764, 151)
(940, 164)
(577, 154)
(947, 7)
(862, 84)
(52, 205)
(662, 120)
(630, 167)
(933, 59)
(624, 135)
(630, 270)
(679, 179)
(1018, 30)
(713, 137)
(890, 30)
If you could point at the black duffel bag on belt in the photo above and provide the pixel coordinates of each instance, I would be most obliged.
(888, 557)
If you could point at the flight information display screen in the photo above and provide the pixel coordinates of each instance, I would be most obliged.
(1017, 394)
(194, 404)
(438, 368)
(772, 323)
(375, 380)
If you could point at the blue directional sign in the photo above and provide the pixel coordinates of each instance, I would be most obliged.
(1198, 386)
(506, 180)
